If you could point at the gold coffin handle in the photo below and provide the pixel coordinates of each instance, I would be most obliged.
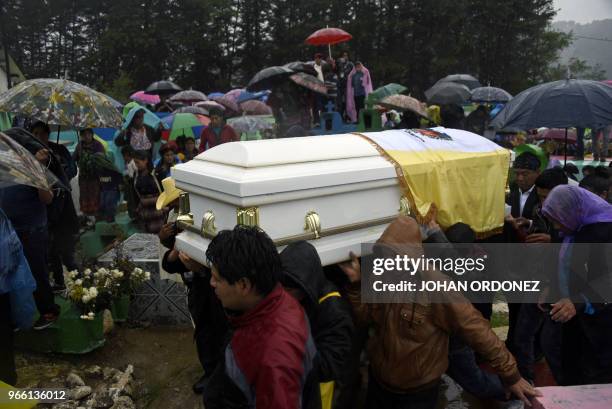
(404, 208)
(208, 223)
(184, 213)
(312, 223)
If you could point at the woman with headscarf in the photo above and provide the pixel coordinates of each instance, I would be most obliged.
(585, 283)
(147, 191)
(358, 86)
(139, 136)
(168, 158)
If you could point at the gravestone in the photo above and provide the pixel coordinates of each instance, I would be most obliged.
(157, 301)
(331, 121)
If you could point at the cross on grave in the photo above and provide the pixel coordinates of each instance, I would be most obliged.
(330, 106)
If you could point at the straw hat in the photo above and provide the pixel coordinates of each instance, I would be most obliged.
(170, 193)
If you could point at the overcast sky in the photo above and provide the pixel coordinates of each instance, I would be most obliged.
(583, 11)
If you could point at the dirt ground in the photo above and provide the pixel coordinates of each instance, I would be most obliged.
(164, 358)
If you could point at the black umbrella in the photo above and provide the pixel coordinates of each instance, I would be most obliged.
(465, 79)
(490, 95)
(559, 104)
(299, 66)
(189, 96)
(268, 77)
(163, 88)
(448, 93)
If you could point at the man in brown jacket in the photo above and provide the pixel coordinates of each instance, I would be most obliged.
(409, 349)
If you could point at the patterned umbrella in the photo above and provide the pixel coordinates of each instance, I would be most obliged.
(404, 103)
(255, 108)
(183, 124)
(192, 110)
(229, 104)
(61, 102)
(209, 105)
(247, 124)
(490, 95)
(19, 167)
(309, 82)
(189, 96)
(143, 98)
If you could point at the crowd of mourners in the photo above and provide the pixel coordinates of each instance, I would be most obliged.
(281, 330)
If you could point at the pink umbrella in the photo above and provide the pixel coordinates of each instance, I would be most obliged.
(234, 94)
(143, 98)
(608, 82)
(228, 103)
(255, 108)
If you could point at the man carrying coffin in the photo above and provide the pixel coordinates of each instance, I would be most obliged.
(269, 358)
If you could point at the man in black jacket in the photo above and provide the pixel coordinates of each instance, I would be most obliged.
(63, 223)
(523, 199)
(329, 314)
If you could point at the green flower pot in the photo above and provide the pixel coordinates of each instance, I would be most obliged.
(69, 334)
(120, 308)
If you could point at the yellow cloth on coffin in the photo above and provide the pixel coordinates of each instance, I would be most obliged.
(464, 177)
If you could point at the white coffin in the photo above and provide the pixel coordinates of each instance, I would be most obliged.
(341, 177)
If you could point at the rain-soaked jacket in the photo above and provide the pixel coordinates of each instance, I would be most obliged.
(409, 349)
(268, 363)
(329, 314)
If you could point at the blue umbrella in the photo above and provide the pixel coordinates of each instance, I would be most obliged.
(215, 95)
(247, 96)
(150, 119)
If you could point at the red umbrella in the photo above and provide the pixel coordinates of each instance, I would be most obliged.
(328, 36)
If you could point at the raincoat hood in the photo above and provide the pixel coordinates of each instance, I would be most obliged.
(301, 263)
(401, 237)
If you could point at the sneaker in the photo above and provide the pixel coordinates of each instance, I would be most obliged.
(45, 321)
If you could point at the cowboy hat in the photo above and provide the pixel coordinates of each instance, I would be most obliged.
(169, 195)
